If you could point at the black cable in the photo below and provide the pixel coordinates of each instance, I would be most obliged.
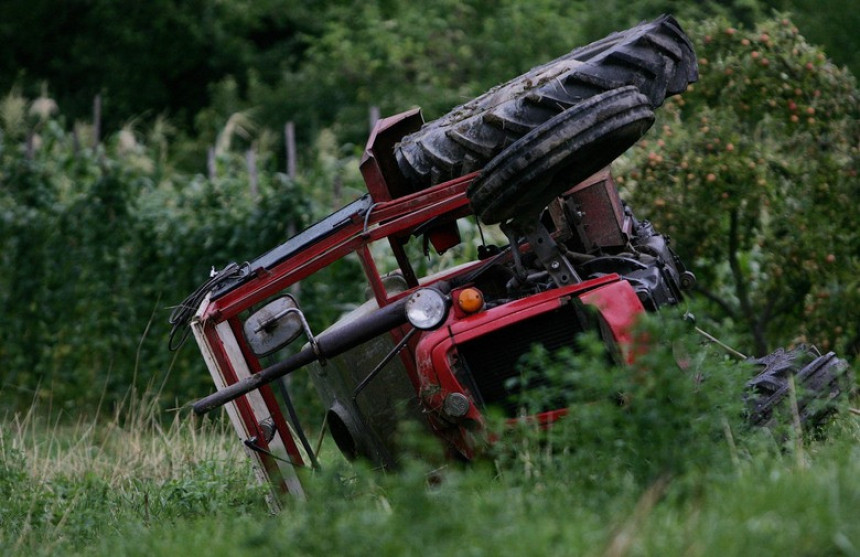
(181, 315)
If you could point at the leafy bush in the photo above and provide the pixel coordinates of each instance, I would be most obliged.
(99, 243)
(675, 410)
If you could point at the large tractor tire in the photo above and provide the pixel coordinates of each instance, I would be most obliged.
(818, 381)
(568, 148)
(655, 57)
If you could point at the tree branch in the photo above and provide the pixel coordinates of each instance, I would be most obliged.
(723, 304)
(741, 285)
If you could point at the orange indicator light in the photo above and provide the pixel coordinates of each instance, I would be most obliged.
(470, 300)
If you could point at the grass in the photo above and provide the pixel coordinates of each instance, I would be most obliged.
(67, 482)
(671, 471)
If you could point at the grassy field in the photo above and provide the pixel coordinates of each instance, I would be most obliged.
(675, 472)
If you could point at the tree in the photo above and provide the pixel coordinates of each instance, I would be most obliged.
(146, 57)
(832, 24)
(98, 243)
(753, 173)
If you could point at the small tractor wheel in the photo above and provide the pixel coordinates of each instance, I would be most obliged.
(521, 180)
(655, 57)
(818, 381)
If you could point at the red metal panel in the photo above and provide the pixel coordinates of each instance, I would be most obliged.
(446, 191)
(385, 219)
(433, 350)
(620, 307)
(602, 211)
(378, 166)
(496, 318)
(435, 379)
(280, 278)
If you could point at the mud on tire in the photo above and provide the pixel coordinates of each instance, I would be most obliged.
(655, 57)
(819, 380)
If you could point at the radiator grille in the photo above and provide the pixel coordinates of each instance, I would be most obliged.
(489, 361)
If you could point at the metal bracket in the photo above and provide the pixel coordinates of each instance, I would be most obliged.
(547, 251)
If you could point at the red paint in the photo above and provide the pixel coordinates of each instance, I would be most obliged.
(617, 305)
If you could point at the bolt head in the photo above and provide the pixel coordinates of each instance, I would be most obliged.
(456, 405)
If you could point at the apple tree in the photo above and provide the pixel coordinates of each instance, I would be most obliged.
(753, 173)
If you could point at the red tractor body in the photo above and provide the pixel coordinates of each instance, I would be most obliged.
(445, 377)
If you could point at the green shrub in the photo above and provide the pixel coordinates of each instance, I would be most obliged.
(675, 410)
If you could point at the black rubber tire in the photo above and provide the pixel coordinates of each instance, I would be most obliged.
(656, 57)
(819, 381)
(521, 180)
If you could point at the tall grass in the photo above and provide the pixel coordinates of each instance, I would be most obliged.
(652, 460)
(66, 481)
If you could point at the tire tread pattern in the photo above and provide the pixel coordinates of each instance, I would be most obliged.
(522, 179)
(656, 57)
(819, 380)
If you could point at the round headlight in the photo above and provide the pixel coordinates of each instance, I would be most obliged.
(426, 309)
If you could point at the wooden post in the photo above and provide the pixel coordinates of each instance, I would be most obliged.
(251, 162)
(97, 120)
(210, 163)
(374, 116)
(290, 145)
(337, 194)
(31, 145)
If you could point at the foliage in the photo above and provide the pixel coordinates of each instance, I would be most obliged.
(829, 23)
(153, 57)
(673, 470)
(98, 243)
(322, 64)
(602, 17)
(752, 172)
(395, 55)
(656, 418)
(402, 54)
(131, 234)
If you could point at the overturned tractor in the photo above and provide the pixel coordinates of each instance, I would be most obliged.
(530, 156)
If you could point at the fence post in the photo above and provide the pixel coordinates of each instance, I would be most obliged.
(374, 116)
(251, 162)
(210, 163)
(97, 120)
(290, 145)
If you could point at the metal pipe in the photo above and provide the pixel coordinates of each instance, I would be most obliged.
(329, 344)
